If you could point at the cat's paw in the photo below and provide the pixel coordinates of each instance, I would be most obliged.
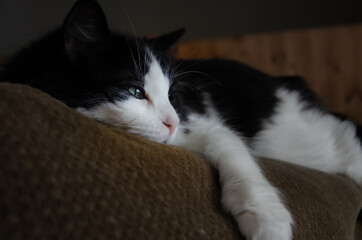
(259, 219)
(259, 226)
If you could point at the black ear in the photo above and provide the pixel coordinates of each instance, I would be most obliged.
(85, 31)
(166, 41)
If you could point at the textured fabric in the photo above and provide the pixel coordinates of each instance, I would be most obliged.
(64, 176)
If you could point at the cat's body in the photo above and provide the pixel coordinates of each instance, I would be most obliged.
(222, 109)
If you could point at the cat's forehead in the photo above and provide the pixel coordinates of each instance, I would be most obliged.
(144, 67)
(150, 68)
(142, 54)
(156, 81)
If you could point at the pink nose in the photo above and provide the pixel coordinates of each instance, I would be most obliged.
(171, 124)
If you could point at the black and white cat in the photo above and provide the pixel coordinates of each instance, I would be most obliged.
(222, 109)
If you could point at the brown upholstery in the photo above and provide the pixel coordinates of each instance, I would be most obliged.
(64, 176)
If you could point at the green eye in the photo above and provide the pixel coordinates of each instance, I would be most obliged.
(137, 93)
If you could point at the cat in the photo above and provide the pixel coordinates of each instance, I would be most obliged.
(223, 109)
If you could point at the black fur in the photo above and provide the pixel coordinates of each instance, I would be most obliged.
(84, 65)
(243, 96)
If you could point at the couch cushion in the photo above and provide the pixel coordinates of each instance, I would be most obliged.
(64, 176)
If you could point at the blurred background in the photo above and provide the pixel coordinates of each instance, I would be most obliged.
(319, 40)
(24, 20)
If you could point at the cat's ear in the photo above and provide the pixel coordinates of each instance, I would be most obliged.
(85, 31)
(167, 41)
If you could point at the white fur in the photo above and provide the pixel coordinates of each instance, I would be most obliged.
(246, 194)
(157, 86)
(144, 117)
(311, 138)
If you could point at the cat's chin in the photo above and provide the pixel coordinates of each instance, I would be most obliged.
(156, 139)
(168, 141)
(159, 139)
(162, 140)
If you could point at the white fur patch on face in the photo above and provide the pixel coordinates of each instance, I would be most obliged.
(153, 118)
(157, 86)
(157, 83)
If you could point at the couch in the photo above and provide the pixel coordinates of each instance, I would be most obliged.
(64, 176)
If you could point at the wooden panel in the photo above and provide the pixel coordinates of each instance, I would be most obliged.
(3, 61)
(330, 59)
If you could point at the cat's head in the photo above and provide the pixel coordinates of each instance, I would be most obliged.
(120, 80)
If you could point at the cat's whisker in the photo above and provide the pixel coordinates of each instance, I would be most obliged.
(182, 62)
(135, 39)
(196, 90)
(188, 56)
(179, 72)
(197, 72)
(137, 65)
(147, 59)
(137, 68)
(139, 54)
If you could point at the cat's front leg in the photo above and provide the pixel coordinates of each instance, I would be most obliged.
(246, 193)
(254, 203)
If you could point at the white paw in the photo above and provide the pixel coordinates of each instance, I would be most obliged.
(256, 226)
(261, 218)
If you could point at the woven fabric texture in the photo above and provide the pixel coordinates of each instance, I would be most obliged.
(64, 176)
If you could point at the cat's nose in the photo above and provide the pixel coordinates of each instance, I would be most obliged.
(171, 124)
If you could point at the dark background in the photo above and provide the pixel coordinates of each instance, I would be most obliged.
(25, 20)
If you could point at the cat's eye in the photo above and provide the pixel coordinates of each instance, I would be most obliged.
(136, 92)
(170, 96)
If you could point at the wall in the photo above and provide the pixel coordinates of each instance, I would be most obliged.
(330, 60)
(24, 20)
